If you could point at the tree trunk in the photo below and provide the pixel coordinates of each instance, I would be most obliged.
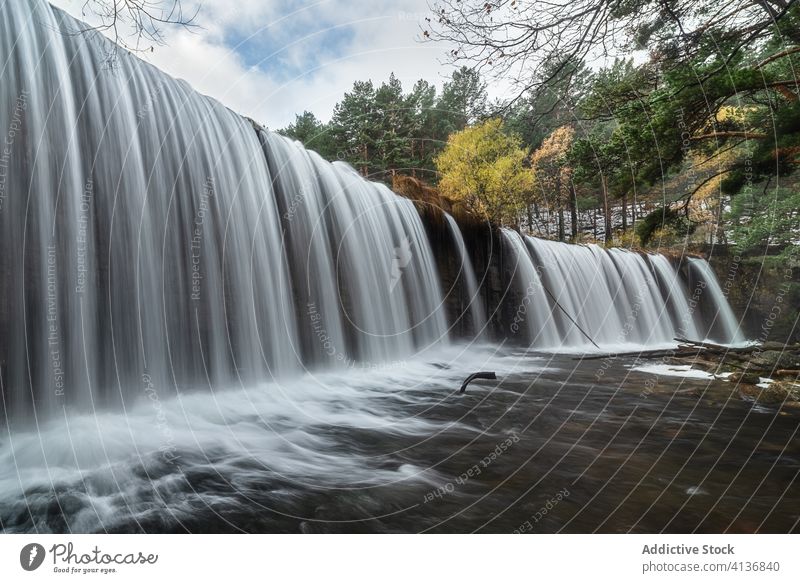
(606, 211)
(560, 205)
(624, 213)
(719, 232)
(573, 210)
(413, 165)
(530, 219)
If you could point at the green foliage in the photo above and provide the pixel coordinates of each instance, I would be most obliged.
(763, 158)
(535, 116)
(382, 130)
(764, 216)
(723, 100)
(312, 133)
(483, 168)
(354, 127)
(667, 222)
(463, 102)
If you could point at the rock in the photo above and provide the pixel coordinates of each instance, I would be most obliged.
(791, 388)
(772, 359)
(735, 376)
(745, 377)
(775, 393)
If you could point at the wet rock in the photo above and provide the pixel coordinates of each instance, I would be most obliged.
(744, 377)
(772, 359)
(773, 393)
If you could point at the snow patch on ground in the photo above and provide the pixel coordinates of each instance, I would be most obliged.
(677, 370)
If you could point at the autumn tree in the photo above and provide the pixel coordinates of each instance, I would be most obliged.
(483, 168)
(552, 178)
(382, 129)
(644, 122)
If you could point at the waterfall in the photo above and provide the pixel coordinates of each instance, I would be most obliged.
(534, 308)
(153, 242)
(361, 263)
(477, 313)
(723, 325)
(614, 296)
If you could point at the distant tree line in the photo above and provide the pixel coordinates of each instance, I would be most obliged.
(700, 121)
(382, 130)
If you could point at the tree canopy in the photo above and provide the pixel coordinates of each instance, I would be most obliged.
(676, 120)
(483, 169)
(382, 130)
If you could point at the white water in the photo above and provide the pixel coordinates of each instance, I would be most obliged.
(615, 297)
(143, 241)
(359, 258)
(534, 310)
(107, 469)
(722, 314)
(153, 240)
(476, 310)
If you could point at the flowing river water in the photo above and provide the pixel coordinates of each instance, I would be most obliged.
(545, 448)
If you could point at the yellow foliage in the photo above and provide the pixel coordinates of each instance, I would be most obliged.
(627, 240)
(734, 113)
(482, 168)
(551, 173)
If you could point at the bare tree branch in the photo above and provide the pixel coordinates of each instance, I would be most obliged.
(513, 39)
(136, 25)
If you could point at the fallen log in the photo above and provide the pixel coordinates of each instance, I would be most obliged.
(656, 353)
(712, 348)
(685, 348)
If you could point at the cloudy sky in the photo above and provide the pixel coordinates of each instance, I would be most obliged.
(270, 59)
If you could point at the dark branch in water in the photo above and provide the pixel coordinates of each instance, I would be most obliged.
(477, 375)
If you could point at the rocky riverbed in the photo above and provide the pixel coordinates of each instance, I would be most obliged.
(768, 374)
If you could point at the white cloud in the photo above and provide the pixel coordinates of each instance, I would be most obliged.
(372, 40)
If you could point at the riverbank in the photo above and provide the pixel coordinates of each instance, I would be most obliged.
(767, 374)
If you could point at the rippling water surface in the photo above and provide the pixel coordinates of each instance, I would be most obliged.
(397, 449)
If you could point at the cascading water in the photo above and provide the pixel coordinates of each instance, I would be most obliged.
(723, 324)
(476, 310)
(612, 296)
(361, 264)
(153, 240)
(142, 241)
(535, 311)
